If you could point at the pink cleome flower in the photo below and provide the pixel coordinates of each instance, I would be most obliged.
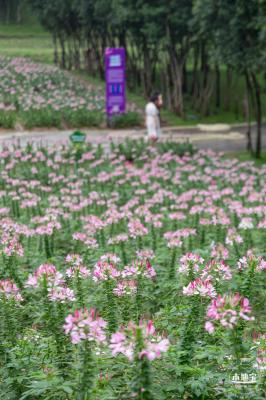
(139, 268)
(246, 223)
(111, 258)
(190, 261)
(77, 268)
(251, 261)
(124, 341)
(74, 259)
(118, 239)
(136, 228)
(200, 287)
(45, 271)
(145, 254)
(61, 294)
(233, 237)
(104, 270)
(85, 325)
(227, 310)
(10, 290)
(217, 270)
(125, 287)
(219, 251)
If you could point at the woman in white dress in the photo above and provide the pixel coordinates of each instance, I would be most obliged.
(153, 117)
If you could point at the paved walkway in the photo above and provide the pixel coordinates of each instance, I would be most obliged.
(220, 138)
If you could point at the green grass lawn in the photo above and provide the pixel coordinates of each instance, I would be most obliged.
(26, 41)
(245, 156)
(33, 42)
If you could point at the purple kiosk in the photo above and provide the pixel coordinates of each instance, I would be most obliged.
(115, 78)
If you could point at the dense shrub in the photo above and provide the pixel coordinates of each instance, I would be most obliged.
(127, 120)
(179, 149)
(46, 117)
(130, 149)
(83, 118)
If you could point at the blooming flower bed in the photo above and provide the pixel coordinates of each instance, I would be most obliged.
(141, 280)
(39, 95)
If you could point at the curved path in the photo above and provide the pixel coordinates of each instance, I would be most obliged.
(231, 139)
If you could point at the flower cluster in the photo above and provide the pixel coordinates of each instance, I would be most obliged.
(85, 325)
(145, 254)
(200, 287)
(226, 311)
(246, 223)
(136, 228)
(217, 270)
(250, 259)
(77, 268)
(104, 270)
(189, 262)
(45, 273)
(10, 238)
(9, 290)
(124, 341)
(233, 237)
(219, 251)
(61, 294)
(139, 268)
(125, 287)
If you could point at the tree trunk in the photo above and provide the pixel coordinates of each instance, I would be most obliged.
(166, 84)
(131, 67)
(146, 69)
(218, 87)
(76, 44)
(8, 12)
(70, 54)
(258, 114)
(195, 83)
(94, 56)
(206, 95)
(184, 83)
(98, 63)
(247, 113)
(177, 70)
(63, 51)
(55, 48)
(204, 65)
(18, 13)
(227, 102)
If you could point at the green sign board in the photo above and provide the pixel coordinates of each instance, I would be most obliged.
(77, 137)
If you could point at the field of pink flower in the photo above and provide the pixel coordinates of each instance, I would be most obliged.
(40, 95)
(120, 280)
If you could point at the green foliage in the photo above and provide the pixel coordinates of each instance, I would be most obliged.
(7, 119)
(41, 118)
(135, 149)
(83, 118)
(48, 386)
(179, 149)
(131, 149)
(127, 120)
